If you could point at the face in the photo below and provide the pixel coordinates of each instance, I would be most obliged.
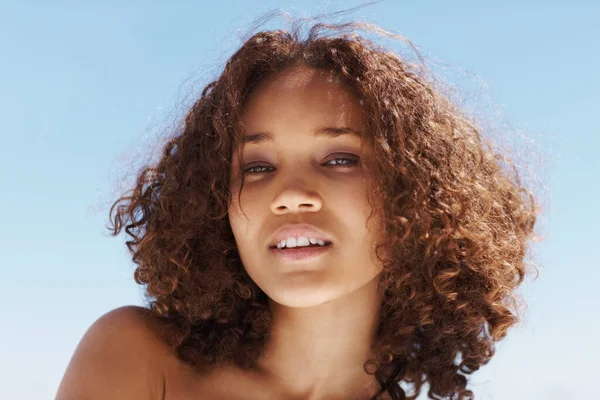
(297, 174)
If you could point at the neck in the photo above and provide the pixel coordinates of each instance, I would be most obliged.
(319, 352)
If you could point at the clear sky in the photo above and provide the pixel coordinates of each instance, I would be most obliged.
(85, 88)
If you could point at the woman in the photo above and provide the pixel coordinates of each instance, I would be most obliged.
(326, 226)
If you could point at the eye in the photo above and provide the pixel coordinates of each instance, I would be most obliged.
(344, 162)
(256, 169)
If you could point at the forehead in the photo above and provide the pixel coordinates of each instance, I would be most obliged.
(301, 95)
(298, 77)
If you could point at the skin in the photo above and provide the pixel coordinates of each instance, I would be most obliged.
(326, 310)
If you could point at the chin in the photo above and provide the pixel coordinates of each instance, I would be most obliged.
(312, 284)
(302, 296)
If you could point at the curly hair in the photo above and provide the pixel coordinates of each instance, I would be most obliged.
(457, 220)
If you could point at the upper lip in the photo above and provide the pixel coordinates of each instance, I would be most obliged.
(297, 230)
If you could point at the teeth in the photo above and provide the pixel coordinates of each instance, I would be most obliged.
(302, 241)
(299, 242)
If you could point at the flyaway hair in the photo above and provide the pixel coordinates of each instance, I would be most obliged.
(457, 220)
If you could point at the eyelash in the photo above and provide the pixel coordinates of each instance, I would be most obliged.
(350, 164)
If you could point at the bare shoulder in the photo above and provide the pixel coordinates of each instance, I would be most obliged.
(120, 356)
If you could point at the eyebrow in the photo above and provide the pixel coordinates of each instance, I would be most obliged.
(260, 137)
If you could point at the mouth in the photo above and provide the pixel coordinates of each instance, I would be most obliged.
(304, 253)
(327, 243)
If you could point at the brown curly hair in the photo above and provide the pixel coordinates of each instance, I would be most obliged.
(457, 220)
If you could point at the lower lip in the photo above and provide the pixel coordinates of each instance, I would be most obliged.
(300, 253)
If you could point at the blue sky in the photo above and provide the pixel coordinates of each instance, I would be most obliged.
(86, 90)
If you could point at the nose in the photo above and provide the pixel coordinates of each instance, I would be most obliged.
(295, 197)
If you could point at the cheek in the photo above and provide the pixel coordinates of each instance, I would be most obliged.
(245, 217)
(359, 218)
(352, 205)
(247, 206)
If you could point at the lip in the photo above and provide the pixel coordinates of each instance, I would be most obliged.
(297, 230)
(300, 253)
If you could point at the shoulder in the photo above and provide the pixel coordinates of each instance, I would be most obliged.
(129, 322)
(120, 356)
(132, 327)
